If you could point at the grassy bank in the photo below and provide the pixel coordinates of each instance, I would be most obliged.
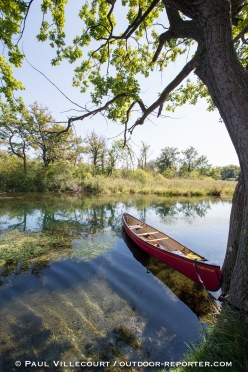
(226, 340)
(64, 177)
(113, 186)
(156, 186)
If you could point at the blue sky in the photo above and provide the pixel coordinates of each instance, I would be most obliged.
(188, 126)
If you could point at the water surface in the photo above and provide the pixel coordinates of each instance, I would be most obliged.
(86, 292)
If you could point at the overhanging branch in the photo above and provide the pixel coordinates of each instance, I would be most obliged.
(179, 29)
(189, 67)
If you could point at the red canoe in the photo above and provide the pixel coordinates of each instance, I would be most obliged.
(172, 253)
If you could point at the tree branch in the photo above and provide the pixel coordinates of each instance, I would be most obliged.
(139, 19)
(91, 113)
(237, 6)
(178, 29)
(128, 114)
(163, 38)
(170, 87)
(25, 18)
(240, 35)
(53, 84)
(12, 149)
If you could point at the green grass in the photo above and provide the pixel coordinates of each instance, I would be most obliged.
(166, 187)
(225, 340)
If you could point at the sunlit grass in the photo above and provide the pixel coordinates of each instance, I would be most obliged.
(154, 186)
(225, 340)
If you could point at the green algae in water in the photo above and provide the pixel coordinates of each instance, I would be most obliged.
(93, 246)
(51, 245)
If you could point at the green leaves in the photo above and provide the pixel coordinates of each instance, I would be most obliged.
(189, 92)
(12, 14)
(9, 82)
(112, 56)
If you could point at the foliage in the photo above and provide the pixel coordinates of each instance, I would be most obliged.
(144, 155)
(140, 175)
(35, 129)
(230, 172)
(190, 159)
(48, 138)
(228, 343)
(96, 147)
(170, 172)
(12, 177)
(167, 159)
(113, 66)
(191, 165)
(12, 22)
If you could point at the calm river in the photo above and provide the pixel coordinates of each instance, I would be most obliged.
(75, 289)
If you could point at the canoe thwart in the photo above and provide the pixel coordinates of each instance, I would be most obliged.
(160, 239)
(147, 233)
(173, 253)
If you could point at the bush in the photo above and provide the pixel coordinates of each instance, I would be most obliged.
(59, 176)
(170, 173)
(140, 175)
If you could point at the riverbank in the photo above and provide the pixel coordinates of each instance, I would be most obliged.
(224, 347)
(157, 185)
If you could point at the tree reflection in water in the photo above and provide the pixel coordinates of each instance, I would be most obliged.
(73, 219)
(67, 301)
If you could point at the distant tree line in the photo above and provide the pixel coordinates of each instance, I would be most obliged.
(190, 164)
(36, 147)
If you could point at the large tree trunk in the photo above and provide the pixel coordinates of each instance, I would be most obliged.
(236, 220)
(227, 82)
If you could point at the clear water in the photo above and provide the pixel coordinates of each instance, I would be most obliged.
(101, 298)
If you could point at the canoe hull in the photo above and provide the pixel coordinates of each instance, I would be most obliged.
(200, 272)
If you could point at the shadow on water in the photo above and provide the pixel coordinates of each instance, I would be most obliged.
(71, 289)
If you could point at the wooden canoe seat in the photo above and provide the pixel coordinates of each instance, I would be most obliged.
(149, 233)
(161, 239)
(135, 226)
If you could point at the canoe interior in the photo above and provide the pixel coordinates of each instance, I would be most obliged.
(159, 239)
(174, 254)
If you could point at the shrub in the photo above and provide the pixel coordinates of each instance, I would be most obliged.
(140, 175)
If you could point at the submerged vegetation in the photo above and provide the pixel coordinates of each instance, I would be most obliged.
(30, 251)
(89, 309)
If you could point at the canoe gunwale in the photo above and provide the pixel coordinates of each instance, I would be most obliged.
(204, 261)
(205, 272)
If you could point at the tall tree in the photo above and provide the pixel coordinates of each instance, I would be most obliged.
(14, 132)
(230, 171)
(144, 155)
(190, 158)
(115, 154)
(217, 28)
(203, 165)
(167, 159)
(96, 146)
(48, 137)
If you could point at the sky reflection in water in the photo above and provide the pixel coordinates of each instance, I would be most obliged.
(79, 303)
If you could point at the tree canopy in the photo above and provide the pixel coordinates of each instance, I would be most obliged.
(110, 60)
